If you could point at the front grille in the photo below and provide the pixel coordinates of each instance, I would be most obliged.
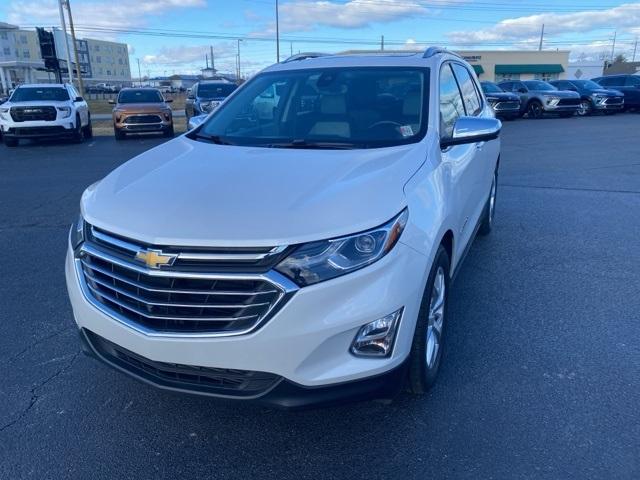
(176, 300)
(141, 119)
(30, 114)
(569, 101)
(507, 106)
(52, 130)
(213, 381)
(613, 101)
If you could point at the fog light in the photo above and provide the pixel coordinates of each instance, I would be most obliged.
(375, 339)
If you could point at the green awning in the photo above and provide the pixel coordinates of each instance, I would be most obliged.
(478, 69)
(530, 68)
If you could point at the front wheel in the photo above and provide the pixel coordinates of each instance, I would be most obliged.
(88, 129)
(584, 109)
(428, 338)
(78, 134)
(535, 110)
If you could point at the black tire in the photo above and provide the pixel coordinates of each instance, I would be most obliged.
(88, 129)
(78, 135)
(10, 141)
(585, 109)
(421, 375)
(169, 131)
(119, 134)
(489, 212)
(535, 109)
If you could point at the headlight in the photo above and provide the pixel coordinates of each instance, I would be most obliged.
(64, 111)
(319, 261)
(76, 235)
(492, 99)
(4, 112)
(205, 106)
(552, 100)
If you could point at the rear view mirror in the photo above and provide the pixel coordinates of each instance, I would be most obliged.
(168, 100)
(112, 102)
(472, 130)
(78, 99)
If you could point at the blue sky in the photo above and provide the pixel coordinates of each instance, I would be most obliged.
(173, 35)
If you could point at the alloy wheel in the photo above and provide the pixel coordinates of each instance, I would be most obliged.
(436, 319)
(584, 108)
(535, 110)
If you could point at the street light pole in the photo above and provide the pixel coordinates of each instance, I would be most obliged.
(139, 73)
(277, 34)
(239, 70)
(63, 24)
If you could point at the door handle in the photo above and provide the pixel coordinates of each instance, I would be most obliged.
(479, 145)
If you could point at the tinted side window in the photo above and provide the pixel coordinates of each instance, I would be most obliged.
(506, 86)
(469, 92)
(632, 81)
(517, 86)
(451, 105)
(612, 82)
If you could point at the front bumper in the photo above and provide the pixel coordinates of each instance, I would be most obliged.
(39, 129)
(306, 343)
(125, 123)
(607, 104)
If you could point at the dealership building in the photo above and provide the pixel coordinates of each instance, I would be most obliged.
(100, 61)
(499, 65)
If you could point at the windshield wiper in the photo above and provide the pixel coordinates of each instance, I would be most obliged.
(314, 145)
(217, 139)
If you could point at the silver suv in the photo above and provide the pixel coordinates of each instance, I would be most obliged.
(538, 97)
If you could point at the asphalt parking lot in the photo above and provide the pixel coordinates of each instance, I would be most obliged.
(542, 370)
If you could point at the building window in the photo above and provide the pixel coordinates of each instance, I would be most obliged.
(503, 77)
(97, 48)
(7, 51)
(547, 76)
(99, 59)
(120, 61)
(4, 36)
(26, 54)
(23, 39)
(108, 72)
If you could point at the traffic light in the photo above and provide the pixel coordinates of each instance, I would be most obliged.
(48, 51)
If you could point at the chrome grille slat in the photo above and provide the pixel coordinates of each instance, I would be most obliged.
(175, 291)
(138, 298)
(166, 317)
(214, 299)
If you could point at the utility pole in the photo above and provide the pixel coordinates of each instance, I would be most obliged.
(291, 49)
(139, 73)
(613, 47)
(206, 61)
(277, 36)
(541, 38)
(75, 49)
(63, 24)
(382, 43)
(635, 47)
(212, 62)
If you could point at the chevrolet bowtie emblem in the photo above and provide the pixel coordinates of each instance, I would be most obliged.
(155, 258)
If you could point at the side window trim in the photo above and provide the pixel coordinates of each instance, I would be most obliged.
(464, 103)
(448, 64)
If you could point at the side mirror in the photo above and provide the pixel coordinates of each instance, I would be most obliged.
(472, 130)
(112, 102)
(168, 100)
(196, 121)
(78, 99)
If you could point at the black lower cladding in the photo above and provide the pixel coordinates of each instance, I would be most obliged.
(46, 131)
(265, 388)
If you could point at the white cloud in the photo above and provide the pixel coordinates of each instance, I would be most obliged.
(99, 13)
(305, 15)
(527, 28)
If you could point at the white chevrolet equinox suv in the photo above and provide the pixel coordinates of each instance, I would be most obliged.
(298, 246)
(45, 111)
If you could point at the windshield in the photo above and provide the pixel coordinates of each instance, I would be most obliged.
(29, 94)
(488, 87)
(588, 84)
(329, 108)
(140, 96)
(539, 85)
(216, 90)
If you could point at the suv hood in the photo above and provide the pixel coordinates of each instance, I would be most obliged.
(558, 93)
(605, 91)
(141, 107)
(191, 193)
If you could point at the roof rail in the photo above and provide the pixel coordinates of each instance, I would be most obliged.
(304, 56)
(431, 51)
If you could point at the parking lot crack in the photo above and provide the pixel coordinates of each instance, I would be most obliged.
(33, 344)
(575, 189)
(34, 392)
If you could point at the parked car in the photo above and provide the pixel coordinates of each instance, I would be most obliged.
(505, 105)
(44, 111)
(303, 259)
(538, 98)
(593, 97)
(206, 96)
(629, 85)
(141, 110)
